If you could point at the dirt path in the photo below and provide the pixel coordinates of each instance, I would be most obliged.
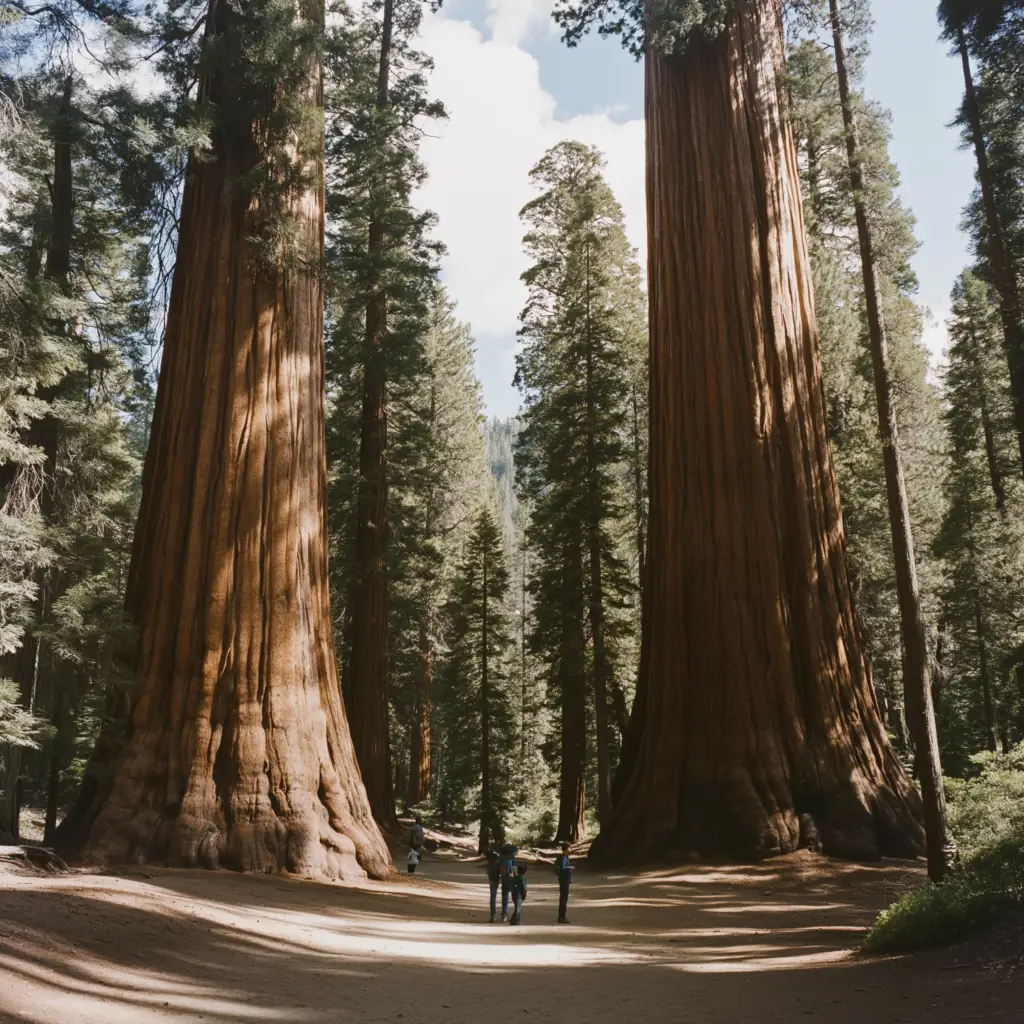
(691, 946)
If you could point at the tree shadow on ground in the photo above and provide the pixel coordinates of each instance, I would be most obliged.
(683, 948)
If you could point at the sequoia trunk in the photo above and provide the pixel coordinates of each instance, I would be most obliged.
(755, 706)
(240, 754)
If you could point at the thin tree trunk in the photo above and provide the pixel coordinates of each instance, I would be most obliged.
(523, 694)
(994, 472)
(486, 811)
(419, 758)
(917, 684)
(1003, 273)
(368, 686)
(638, 497)
(53, 783)
(986, 683)
(756, 700)
(596, 593)
(10, 809)
(240, 754)
(572, 790)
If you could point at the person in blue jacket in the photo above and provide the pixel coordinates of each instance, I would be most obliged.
(508, 873)
(564, 870)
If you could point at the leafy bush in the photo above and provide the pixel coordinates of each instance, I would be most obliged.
(17, 726)
(987, 818)
(990, 806)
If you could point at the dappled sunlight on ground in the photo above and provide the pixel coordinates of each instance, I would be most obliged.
(679, 947)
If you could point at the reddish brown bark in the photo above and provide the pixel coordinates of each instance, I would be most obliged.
(240, 754)
(419, 757)
(756, 700)
(368, 686)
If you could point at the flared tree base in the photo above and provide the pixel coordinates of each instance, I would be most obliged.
(854, 822)
(302, 845)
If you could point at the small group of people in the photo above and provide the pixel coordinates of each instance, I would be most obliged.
(504, 870)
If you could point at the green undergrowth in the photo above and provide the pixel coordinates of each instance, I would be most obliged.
(987, 819)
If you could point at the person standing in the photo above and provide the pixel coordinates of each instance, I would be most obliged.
(508, 871)
(417, 834)
(493, 879)
(564, 871)
(413, 859)
(518, 894)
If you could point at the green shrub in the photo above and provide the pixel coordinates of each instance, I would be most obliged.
(986, 815)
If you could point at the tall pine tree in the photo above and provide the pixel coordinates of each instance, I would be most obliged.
(574, 372)
(477, 703)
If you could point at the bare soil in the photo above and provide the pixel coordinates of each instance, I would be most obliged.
(691, 945)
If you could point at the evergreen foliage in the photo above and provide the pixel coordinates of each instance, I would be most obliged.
(74, 334)
(477, 699)
(846, 361)
(981, 537)
(580, 332)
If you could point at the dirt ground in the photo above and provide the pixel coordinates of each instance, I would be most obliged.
(693, 945)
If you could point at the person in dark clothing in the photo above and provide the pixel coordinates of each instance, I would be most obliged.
(416, 838)
(493, 879)
(564, 871)
(508, 872)
(518, 894)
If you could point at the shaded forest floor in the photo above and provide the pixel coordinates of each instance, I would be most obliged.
(694, 945)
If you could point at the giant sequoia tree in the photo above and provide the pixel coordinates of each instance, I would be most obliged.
(758, 716)
(240, 753)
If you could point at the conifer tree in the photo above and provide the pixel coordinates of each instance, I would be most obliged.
(846, 363)
(382, 269)
(916, 666)
(982, 539)
(575, 375)
(993, 126)
(441, 483)
(477, 700)
(75, 266)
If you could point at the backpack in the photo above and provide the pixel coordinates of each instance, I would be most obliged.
(508, 868)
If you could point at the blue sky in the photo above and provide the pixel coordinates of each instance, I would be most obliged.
(512, 90)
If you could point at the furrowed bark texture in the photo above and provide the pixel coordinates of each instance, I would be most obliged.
(368, 686)
(758, 707)
(419, 756)
(240, 754)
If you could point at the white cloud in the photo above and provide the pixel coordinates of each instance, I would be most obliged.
(500, 122)
(935, 336)
(511, 21)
